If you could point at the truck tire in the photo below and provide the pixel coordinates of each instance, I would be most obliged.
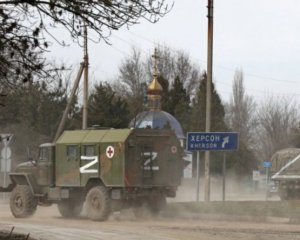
(98, 205)
(286, 194)
(22, 202)
(140, 207)
(70, 208)
(283, 195)
(157, 203)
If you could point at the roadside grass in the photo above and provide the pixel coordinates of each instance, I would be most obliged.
(284, 209)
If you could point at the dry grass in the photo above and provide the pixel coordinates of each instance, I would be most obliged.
(286, 209)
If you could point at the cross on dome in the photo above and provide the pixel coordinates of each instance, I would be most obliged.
(154, 117)
(154, 87)
(155, 62)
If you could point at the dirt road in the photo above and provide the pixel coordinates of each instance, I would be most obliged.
(47, 224)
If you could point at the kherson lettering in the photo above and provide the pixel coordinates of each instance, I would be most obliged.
(203, 145)
(205, 138)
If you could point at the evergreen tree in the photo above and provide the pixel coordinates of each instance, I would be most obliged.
(32, 115)
(165, 97)
(38, 105)
(295, 137)
(241, 118)
(198, 119)
(106, 109)
(179, 103)
(240, 111)
(242, 161)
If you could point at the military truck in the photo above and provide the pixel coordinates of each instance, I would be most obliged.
(107, 169)
(285, 172)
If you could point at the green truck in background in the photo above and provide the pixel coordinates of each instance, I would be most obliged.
(107, 169)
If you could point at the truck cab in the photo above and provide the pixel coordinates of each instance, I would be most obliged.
(45, 165)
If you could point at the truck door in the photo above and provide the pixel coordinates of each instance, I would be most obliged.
(147, 156)
(68, 165)
(89, 163)
(45, 164)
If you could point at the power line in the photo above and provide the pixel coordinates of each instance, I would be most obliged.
(215, 65)
(261, 91)
(221, 66)
(257, 75)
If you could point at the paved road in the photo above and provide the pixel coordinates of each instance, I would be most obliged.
(48, 225)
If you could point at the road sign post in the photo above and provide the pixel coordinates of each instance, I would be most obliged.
(5, 157)
(267, 165)
(198, 175)
(212, 141)
(224, 177)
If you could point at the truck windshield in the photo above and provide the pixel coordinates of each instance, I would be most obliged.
(45, 153)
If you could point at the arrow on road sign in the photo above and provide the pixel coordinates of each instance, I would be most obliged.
(213, 141)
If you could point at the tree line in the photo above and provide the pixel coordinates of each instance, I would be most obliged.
(32, 112)
(33, 95)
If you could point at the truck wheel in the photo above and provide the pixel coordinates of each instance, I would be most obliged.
(285, 195)
(140, 207)
(22, 202)
(98, 204)
(70, 208)
(157, 204)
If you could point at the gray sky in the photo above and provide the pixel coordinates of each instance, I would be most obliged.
(260, 36)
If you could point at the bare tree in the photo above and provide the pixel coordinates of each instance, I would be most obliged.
(166, 63)
(277, 117)
(240, 112)
(131, 81)
(188, 72)
(132, 74)
(176, 63)
(25, 25)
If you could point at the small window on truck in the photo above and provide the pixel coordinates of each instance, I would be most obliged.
(89, 150)
(72, 151)
(44, 154)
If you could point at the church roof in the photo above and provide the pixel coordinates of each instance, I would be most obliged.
(157, 120)
(154, 117)
(154, 87)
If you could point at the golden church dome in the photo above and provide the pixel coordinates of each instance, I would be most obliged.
(155, 87)
(154, 117)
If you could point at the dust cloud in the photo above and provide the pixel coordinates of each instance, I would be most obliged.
(242, 190)
(235, 190)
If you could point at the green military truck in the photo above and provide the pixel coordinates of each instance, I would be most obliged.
(107, 169)
(285, 173)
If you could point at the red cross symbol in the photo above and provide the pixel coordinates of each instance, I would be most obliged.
(110, 151)
(174, 149)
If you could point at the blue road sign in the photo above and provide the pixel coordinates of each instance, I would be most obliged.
(267, 164)
(213, 141)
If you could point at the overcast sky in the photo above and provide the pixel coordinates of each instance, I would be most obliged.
(260, 36)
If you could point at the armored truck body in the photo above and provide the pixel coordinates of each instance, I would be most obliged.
(107, 169)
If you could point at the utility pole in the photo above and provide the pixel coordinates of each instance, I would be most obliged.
(83, 69)
(69, 103)
(210, 8)
(85, 81)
